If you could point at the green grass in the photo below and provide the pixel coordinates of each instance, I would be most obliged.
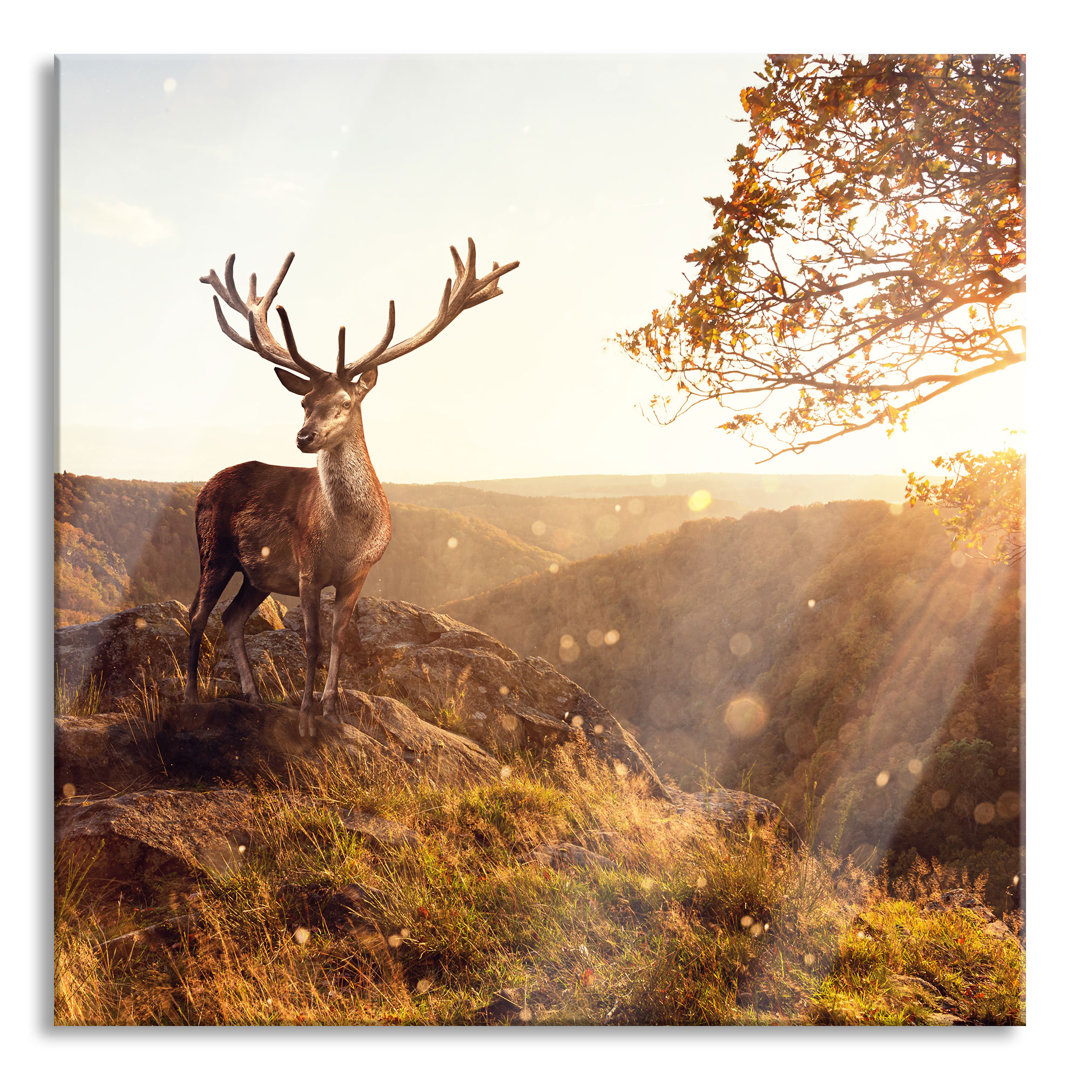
(688, 927)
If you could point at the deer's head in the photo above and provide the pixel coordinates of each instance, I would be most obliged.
(331, 406)
(331, 400)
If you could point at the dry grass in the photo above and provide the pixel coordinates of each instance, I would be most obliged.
(687, 926)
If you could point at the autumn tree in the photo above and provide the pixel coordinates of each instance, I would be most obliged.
(869, 258)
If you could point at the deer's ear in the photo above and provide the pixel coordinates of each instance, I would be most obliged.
(367, 380)
(295, 383)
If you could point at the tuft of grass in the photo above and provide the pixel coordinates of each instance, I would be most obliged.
(79, 700)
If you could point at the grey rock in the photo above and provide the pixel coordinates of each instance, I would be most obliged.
(729, 809)
(564, 856)
(143, 839)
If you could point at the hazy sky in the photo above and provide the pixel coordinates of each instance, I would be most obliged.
(591, 170)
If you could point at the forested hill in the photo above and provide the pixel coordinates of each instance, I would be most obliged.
(840, 653)
(124, 542)
(119, 542)
(572, 525)
(133, 541)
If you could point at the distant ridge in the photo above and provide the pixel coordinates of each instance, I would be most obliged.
(755, 490)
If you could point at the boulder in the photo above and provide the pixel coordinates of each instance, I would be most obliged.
(144, 840)
(100, 754)
(228, 739)
(278, 662)
(444, 757)
(143, 647)
(381, 832)
(728, 809)
(566, 856)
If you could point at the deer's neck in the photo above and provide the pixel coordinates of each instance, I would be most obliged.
(349, 485)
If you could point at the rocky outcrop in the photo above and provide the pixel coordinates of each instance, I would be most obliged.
(443, 672)
(233, 741)
(446, 669)
(152, 789)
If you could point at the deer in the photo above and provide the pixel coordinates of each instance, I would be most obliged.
(296, 530)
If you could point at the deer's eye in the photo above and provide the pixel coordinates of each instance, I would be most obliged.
(347, 403)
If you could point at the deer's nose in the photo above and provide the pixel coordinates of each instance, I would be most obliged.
(304, 439)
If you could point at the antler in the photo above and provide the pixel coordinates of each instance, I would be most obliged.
(463, 292)
(255, 310)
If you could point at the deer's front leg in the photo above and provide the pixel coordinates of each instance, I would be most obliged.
(309, 605)
(344, 602)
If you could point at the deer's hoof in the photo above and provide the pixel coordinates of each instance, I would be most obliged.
(330, 709)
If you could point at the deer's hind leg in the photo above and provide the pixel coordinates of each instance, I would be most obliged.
(236, 615)
(212, 584)
(309, 605)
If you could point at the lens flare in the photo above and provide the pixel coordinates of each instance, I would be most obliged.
(606, 526)
(1008, 805)
(740, 643)
(745, 717)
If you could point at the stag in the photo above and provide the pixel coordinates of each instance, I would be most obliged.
(294, 530)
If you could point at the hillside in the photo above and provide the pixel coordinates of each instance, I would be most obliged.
(753, 491)
(838, 659)
(576, 527)
(133, 541)
(477, 842)
(123, 542)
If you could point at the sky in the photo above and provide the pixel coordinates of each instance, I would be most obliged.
(591, 170)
